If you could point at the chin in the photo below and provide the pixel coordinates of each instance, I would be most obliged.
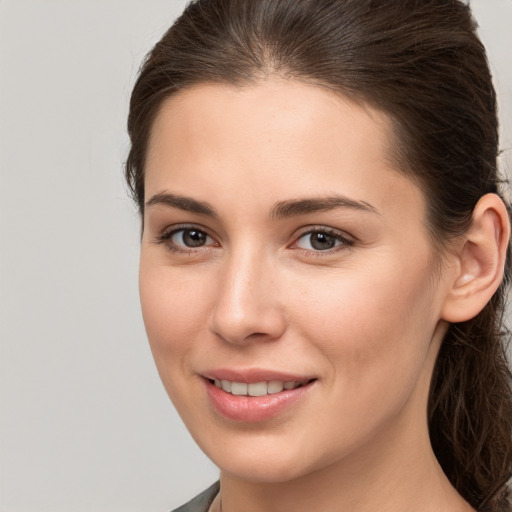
(264, 462)
(264, 471)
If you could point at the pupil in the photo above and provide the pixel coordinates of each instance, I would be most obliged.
(193, 238)
(321, 241)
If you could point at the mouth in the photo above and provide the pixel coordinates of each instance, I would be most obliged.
(255, 389)
(258, 400)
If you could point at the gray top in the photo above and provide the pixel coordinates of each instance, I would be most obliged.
(202, 502)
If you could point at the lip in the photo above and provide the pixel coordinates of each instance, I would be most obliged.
(252, 375)
(253, 409)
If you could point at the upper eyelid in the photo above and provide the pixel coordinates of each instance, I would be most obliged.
(164, 236)
(173, 228)
(323, 229)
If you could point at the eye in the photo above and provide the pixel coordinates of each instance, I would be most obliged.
(189, 238)
(185, 239)
(322, 240)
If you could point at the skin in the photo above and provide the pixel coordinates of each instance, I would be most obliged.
(365, 318)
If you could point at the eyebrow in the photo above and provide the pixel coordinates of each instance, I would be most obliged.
(281, 209)
(183, 203)
(298, 207)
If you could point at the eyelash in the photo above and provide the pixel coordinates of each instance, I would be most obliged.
(166, 236)
(344, 241)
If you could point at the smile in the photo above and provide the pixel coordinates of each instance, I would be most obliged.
(258, 400)
(257, 388)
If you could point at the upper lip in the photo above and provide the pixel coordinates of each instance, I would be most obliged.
(252, 375)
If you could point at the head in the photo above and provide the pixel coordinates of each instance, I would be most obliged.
(419, 72)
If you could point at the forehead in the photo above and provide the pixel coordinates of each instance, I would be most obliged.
(274, 138)
(286, 109)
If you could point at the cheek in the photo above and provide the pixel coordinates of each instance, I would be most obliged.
(373, 326)
(174, 305)
(374, 333)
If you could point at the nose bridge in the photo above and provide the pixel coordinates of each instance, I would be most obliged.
(247, 304)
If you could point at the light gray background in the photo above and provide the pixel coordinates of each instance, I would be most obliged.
(85, 425)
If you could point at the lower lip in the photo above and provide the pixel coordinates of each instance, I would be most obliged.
(254, 408)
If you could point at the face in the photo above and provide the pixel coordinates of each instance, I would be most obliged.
(288, 286)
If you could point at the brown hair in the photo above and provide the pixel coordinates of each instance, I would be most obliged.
(421, 62)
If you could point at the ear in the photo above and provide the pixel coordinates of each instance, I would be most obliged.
(480, 261)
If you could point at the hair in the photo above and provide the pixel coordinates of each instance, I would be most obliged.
(421, 62)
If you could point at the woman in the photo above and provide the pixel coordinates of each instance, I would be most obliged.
(324, 252)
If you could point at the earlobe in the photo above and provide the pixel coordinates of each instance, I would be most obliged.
(481, 260)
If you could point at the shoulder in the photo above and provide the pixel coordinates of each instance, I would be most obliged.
(202, 502)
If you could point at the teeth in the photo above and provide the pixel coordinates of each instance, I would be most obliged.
(275, 386)
(256, 388)
(238, 388)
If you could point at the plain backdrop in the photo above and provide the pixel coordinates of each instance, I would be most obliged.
(85, 425)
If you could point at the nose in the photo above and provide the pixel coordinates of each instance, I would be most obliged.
(247, 303)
